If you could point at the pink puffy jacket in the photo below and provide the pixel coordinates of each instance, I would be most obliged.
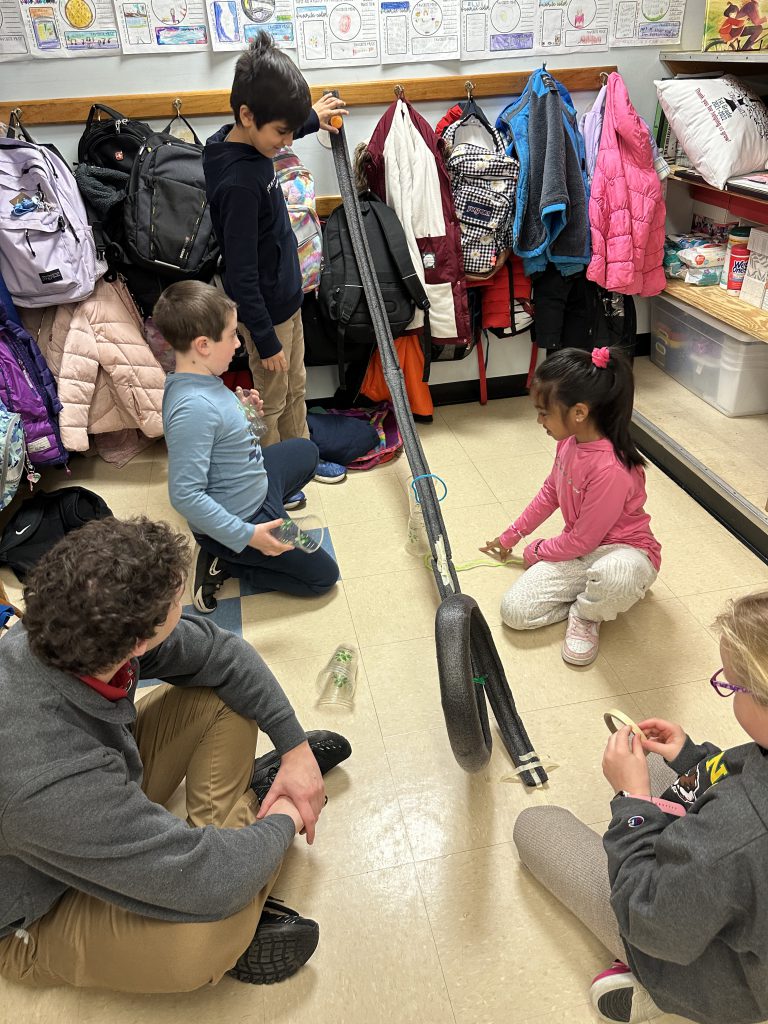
(626, 205)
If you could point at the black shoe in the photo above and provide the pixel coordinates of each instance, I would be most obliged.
(329, 749)
(282, 944)
(210, 576)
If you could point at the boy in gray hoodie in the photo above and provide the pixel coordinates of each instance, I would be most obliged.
(680, 893)
(100, 885)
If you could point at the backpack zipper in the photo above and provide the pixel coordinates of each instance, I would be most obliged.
(29, 244)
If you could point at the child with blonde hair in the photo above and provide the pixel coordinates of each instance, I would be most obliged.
(679, 895)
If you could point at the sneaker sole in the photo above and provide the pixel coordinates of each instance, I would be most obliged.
(573, 659)
(294, 506)
(199, 603)
(331, 479)
(277, 957)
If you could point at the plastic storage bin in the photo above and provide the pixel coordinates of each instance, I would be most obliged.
(717, 362)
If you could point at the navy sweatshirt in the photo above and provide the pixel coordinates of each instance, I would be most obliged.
(260, 262)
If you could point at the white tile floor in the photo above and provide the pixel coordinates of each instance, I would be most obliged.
(425, 914)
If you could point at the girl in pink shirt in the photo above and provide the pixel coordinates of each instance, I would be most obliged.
(606, 557)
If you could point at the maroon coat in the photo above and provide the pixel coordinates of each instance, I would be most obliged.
(417, 187)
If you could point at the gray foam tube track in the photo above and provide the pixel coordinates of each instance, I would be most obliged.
(469, 666)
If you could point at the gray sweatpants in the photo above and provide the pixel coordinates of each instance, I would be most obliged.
(568, 858)
(598, 586)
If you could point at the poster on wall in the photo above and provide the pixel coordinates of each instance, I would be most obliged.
(648, 22)
(572, 26)
(234, 23)
(497, 28)
(13, 42)
(419, 30)
(334, 34)
(162, 26)
(69, 28)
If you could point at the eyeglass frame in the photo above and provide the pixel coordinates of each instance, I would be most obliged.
(730, 688)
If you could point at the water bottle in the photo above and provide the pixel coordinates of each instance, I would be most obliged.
(304, 534)
(256, 421)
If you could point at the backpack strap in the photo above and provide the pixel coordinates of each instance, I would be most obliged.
(401, 257)
(100, 108)
(351, 292)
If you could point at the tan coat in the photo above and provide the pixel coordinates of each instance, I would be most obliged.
(107, 377)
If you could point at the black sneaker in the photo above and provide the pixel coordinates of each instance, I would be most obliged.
(210, 576)
(282, 944)
(329, 749)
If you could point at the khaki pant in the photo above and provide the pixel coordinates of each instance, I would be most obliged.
(86, 942)
(283, 394)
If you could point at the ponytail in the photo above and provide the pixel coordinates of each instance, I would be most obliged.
(601, 379)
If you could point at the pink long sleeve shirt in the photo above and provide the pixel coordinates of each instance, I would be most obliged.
(601, 501)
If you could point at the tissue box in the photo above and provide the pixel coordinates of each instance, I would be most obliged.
(753, 289)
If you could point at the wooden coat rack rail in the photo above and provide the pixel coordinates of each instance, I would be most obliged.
(215, 102)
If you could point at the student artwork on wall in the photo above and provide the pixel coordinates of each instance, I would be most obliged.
(233, 23)
(13, 42)
(333, 34)
(68, 28)
(647, 22)
(417, 30)
(738, 25)
(570, 26)
(161, 26)
(497, 28)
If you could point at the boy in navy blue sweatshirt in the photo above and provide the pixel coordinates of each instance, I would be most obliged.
(272, 105)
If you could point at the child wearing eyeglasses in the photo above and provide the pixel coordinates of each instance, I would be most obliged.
(679, 894)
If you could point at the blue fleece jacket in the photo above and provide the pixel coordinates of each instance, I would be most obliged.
(260, 262)
(216, 474)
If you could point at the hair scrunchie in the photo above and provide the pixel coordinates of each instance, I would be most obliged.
(601, 357)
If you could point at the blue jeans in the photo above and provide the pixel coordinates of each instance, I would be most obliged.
(290, 465)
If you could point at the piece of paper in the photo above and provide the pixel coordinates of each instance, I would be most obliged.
(13, 42)
(497, 28)
(162, 26)
(419, 30)
(233, 23)
(647, 22)
(69, 28)
(342, 34)
(572, 26)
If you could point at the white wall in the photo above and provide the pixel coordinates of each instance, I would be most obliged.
(107, 76)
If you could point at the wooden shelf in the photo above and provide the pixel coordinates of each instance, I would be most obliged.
(722, 306)
(690, 177)
(215, 102)
(744, 62)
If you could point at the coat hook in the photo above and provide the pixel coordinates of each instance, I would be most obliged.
(604, 77)
(177, 106)
(16, 112)
(400, 92)
(469, 88)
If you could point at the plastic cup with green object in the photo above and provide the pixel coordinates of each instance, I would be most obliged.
(305, 533)
(338, 680)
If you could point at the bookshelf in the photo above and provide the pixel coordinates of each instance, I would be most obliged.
(694, 62)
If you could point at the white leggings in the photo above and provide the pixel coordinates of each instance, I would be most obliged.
(598, 586)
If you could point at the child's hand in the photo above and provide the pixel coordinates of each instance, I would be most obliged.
(624, 763)
(265, 542)
(276, 363)
(496, 550)
(251, 397)
(665, 738)
(328, 107)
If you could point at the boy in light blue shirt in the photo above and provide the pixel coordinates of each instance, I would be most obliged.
(231, 492)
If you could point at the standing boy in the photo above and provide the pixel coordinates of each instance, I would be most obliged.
(271, 104)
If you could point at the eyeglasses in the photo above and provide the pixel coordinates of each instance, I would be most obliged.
(723, 688)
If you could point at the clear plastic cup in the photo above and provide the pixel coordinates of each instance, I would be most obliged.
(305, 533)
(338, 680)
(256, 421)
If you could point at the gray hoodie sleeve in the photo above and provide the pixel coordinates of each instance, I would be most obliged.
(122, 848)
(663, 880)
(199, 653)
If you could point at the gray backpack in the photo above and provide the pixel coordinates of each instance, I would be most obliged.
(47, 252)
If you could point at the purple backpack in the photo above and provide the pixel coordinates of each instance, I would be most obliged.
(382, 419)
(28, 388)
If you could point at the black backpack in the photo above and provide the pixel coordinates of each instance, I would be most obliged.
(341, 294)
(167, 219)
(42, 521)
(113, 141)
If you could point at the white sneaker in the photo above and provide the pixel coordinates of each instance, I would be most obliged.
(582, 639)
(617, 995)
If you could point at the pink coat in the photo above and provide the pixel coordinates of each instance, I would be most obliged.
(626, 205)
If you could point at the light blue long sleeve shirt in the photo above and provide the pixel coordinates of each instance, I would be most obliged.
(216, 474)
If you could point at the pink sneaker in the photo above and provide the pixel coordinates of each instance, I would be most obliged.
(582, 639)
(618, 996)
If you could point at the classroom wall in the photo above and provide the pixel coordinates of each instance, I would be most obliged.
(107, 76)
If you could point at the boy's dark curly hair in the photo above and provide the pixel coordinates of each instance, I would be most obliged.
(101, 590)
(270, 85)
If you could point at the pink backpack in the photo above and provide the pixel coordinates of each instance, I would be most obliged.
(298, 188)
(382, 418)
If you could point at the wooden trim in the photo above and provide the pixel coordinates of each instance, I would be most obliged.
(74, 110)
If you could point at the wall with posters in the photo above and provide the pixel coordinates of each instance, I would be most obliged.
(167, 71)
